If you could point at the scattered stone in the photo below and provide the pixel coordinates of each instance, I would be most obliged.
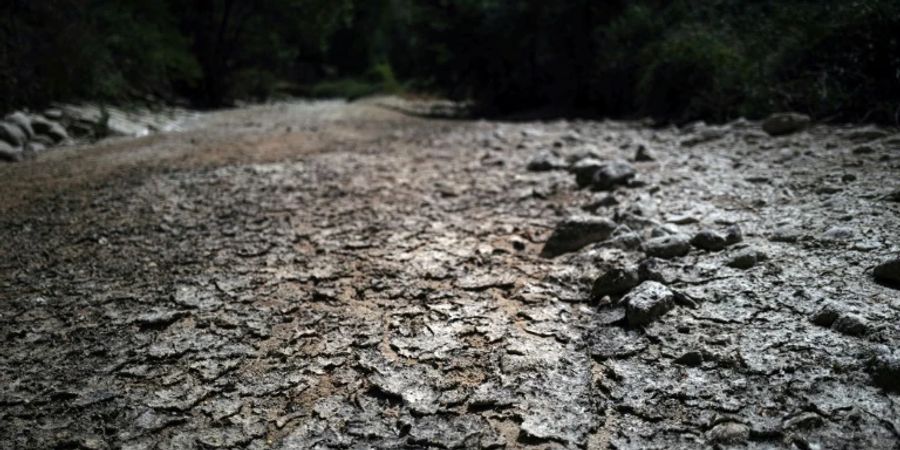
(616, 281)
(576, 232)
(12, 134)
(885, 370)
(785, 233)
(9, 153)
(866, 134)
(650, 269)
(667, 247)
(612, 174)
(805, 421)
(685, 219)
(781, 124)
(837, 234)
(888, 272)
(647, 302)
(851, 325)
(893, 196)
(691, 359)
(45, 127)
(746, 259)
(704, 134)
(626, 241)
(826, 316)
(733, 235)
(644, 154)
(728, 433)
(709, 240)
(546, 161)
(584, 170)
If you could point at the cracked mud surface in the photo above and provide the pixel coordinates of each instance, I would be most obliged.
(329, 275)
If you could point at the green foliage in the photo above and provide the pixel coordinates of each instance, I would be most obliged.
(673, 59)
(378, 80)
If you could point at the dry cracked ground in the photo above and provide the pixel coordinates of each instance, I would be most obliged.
(331, 275)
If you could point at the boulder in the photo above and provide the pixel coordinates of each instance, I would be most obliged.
(9, 153)
(12, 134)
(53, 130)
(781, 124)
(23, 122)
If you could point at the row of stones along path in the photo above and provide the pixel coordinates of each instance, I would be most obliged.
(325, 275)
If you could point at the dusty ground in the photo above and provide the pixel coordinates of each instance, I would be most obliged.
(343, 276)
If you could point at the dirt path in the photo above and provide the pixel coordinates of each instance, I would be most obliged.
(341, 276)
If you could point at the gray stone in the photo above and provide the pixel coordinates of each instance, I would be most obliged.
(850, 324)
(826, 315)
(546, 161)
(651, 269)
(615, 281)
(785, 233)
(728, 433)
(584, 170)
(644, 154)
(709, 240)
(781, 124)
(888, 272)
(667, 247)
(576, 232)
(746, 259)
(733, 235)
(885, 371)
(12, 134)
(837, 234)
(691, 359)
(23, 122)
(48, 128)
(647, 302)
(866, 134)
(9, 153)
(612, 174)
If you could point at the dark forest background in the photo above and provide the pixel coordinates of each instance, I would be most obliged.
(674, 60)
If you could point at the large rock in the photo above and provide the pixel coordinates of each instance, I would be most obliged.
(9, 153)
(23, 122)
(647, 302)
(576, 232)
(48, 128)
(785, 123)
(12, 134)
(888, 272)
(667, 247)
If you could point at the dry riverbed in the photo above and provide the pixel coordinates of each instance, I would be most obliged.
(331, 275)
